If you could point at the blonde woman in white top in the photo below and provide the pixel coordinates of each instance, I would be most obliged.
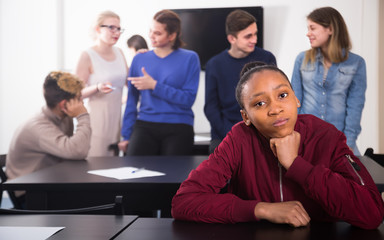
(104, 70)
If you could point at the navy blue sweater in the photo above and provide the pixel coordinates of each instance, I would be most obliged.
(221, 77)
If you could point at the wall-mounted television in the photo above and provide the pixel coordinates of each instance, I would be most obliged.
(203, 29)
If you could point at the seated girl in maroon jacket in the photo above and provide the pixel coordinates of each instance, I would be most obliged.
(281, 166)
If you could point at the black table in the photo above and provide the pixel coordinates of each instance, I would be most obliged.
(168, 229)
(82, 227)
(68, 185)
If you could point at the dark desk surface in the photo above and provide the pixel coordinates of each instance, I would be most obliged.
(68, 185)
(82, 227)
(168, 229)
(75, 173)
(177, 168)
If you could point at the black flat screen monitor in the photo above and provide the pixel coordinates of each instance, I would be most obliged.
(203, 29)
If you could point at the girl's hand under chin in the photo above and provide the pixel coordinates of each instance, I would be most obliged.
(286, 148)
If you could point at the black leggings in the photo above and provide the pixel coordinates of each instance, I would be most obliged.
(151, 138)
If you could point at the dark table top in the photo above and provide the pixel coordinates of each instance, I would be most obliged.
(92, 227)
(176, 168)
(68, 185)
(168, 229)
(74, 173)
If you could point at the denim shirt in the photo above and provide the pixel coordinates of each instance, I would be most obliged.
(339, 99)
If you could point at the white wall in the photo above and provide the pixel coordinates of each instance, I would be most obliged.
(43, 35)
(28, 51)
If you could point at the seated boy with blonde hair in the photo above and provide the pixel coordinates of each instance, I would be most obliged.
(49, 137)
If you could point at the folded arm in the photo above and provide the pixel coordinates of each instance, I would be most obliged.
(344, 192)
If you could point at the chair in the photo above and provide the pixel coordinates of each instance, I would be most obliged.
(115, 148)
(117, 207)
(379, 158)
(15, 200)
(2, 176)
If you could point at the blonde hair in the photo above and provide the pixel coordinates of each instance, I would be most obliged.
(339, 42)
(100, 19)
(68, 82)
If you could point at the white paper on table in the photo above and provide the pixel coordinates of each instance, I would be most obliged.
(30, 233)
(126, 173)
(199, 138)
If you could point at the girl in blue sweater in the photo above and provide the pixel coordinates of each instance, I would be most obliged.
(165, 82)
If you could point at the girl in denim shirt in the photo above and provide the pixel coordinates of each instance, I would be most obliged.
(328, 79)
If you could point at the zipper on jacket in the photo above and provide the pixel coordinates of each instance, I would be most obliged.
(281, 182)
(355, 168)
